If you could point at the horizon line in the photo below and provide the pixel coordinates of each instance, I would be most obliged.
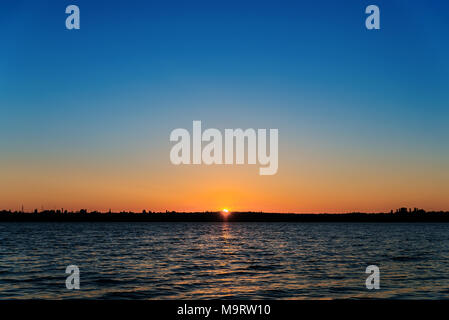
(402, 210)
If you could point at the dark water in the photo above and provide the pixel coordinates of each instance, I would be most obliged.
(224, 260)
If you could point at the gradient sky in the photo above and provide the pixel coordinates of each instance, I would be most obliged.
(85, 115)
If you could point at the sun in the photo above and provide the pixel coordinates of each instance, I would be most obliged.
(225, 210)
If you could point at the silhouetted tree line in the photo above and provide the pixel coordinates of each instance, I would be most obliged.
(399, 215)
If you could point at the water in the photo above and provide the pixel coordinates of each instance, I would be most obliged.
(224, 260)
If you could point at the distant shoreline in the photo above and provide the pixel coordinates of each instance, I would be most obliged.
(83, 216)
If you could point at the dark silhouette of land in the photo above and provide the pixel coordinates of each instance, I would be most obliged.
(400, 215)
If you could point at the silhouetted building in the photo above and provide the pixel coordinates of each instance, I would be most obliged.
(402, 210)
(409, 211)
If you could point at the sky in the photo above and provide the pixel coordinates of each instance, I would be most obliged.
(86, 115)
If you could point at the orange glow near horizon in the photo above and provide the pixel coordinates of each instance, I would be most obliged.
(225, 213)
(305, 183)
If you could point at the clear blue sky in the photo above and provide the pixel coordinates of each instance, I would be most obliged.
(138, 69)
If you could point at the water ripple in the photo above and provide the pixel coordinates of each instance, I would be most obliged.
(220, 260)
